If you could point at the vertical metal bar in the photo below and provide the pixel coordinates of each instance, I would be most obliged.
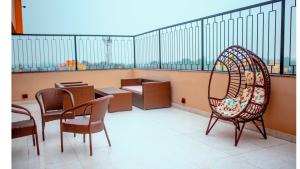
(202, 45)
(159, 49)
(134, 57)
(76, 59)
(282, 36)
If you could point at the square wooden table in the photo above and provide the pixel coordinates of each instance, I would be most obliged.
(122, 100)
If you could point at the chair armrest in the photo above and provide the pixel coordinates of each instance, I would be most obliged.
(20, 107)
(70, 82)
(157, 93)
(214, 101)
(72, 109)
(131, 82)
(149, 87)
(22, 110)
(63, 84)
(213, 98)
(76, 84)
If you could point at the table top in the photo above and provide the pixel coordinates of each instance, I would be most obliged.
(111, 90)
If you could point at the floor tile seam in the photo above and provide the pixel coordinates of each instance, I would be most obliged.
(28, 151)
(242, 154)
(76, 155)
(245, 160)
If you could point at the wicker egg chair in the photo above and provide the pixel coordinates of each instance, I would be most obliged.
(247, 94)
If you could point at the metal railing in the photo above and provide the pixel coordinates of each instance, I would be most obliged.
(267, 28)
(194, 45)
(31, 53)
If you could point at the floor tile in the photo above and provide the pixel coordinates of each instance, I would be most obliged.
(160, 138)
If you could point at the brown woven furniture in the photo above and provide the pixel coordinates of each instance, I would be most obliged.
(148, 94)
(51, 102)
(86, 125)
(122, 100)
(247, 94)
(24, 127)
(82, 92)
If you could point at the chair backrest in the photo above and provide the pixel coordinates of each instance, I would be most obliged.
(52, 98)
(81, 94)
(99, 108)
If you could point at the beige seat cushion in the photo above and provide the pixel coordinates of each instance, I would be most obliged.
(136, 89)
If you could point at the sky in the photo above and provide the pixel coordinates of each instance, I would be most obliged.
(117, 17)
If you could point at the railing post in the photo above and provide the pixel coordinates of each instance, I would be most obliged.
(134, 57)
(202, 45)
(75, 48)
(159, 48)
(282, 36)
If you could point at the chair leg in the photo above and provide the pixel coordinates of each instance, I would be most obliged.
(263, 131)
(84, 138)
(33, 140)
(61, 141)
(43, 130)
(237, 135)
(91, 148)
(74, 134)
(37, 142)
(107, 136)
(238, 126)
(210, 127)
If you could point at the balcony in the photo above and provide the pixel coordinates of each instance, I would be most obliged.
(183, 54)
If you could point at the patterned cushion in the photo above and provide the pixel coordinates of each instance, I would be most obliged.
(258, 95)
(259, 78)
(228, 107)
(231, 106)
(249, 77)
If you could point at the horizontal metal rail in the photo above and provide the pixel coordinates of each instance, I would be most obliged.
(214, 15)
(71, 35)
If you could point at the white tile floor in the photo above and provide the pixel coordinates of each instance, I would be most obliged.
(154, 139)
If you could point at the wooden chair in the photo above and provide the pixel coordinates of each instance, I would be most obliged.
(51, 103)
(82, 92)
(24, 127)
(86, 125)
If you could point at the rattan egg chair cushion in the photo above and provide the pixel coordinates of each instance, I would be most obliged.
(230, 107)
(250, 76)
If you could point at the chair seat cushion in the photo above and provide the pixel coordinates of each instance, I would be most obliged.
(79, 121)
(53, 113)
(136, 89)
(22, 128)
(81, 125)
(230, 107)
(22, 124)
(77, 125)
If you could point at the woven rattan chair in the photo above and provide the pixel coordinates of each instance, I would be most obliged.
(97, 109)
(24, 127)
(247, 94)
(51, 102)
